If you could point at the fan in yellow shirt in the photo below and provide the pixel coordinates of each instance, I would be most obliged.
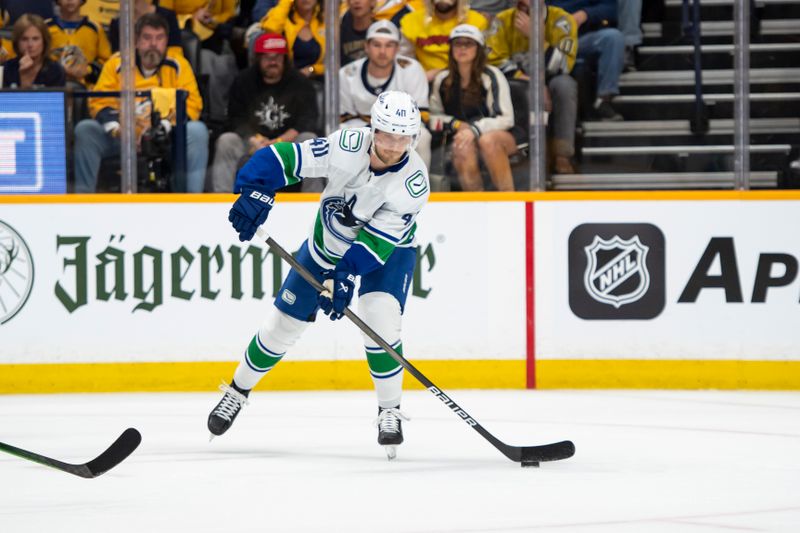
(428, 31)
(508, 40)
(78, 42)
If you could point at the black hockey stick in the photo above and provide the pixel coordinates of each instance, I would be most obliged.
(527, 455)
(114, 455)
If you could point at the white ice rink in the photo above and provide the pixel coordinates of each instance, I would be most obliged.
(646, 462)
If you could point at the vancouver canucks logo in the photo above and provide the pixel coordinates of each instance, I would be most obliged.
(337, 209)
(616, 270)
(16, 272)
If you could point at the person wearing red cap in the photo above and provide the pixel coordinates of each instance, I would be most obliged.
(269, 102)
(303, 24)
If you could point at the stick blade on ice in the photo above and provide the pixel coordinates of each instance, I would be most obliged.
(119, 450)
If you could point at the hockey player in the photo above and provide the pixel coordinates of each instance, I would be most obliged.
(361, 81)
(365, 226)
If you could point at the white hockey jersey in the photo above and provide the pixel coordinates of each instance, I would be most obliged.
(356, 95)
(372, 210)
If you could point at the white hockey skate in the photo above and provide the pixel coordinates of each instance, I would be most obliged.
(390, 429)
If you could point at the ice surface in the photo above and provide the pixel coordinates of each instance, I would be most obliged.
(646, 461)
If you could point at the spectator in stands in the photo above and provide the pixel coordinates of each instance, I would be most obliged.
(32, 68)
(353, 32)
(470, 101)
(508, 50)
(79, 43)
(630, 24)
(212, 22)
(203, 17)
(490, 8)
(362, 81)
(599, 41)
(261, 8)
(395, 10)
(6, 50)
(99, 137)
(303, 24)
(142, 7)
(270, 103)
(11, 10)
(427, 31)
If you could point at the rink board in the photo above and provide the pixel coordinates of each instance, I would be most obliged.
(153, 292)
(713, 302)
(156, 293)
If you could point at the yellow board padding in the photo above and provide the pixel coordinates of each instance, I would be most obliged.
(286, 376)
(669, 374)
(447, 374)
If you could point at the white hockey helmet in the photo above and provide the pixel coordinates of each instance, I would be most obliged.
(396, 112)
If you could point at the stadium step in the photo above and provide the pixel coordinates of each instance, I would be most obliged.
(659, 180)
(719, 77)
(667, 128)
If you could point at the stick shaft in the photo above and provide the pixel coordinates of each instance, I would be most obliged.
(372, 334)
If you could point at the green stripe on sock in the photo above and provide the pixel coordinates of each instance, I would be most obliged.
(258, 358)
(382, 362)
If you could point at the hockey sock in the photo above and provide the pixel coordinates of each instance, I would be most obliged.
(381, 311)
(267, 347)
(387, 374)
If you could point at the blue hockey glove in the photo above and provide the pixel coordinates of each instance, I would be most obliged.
(249, 211)
(339, 288)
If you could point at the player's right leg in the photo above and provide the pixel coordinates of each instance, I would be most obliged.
(266, 349)
(295, 307)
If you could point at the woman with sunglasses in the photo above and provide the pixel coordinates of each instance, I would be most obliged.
(471, 103)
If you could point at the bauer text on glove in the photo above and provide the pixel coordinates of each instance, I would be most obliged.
(249, 211)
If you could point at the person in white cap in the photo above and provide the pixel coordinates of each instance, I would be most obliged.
(471, 104)
(365, 227)
(361, 81)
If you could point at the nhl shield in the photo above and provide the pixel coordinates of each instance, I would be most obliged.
(616, 270)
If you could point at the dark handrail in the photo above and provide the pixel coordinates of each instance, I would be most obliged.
(699, 121)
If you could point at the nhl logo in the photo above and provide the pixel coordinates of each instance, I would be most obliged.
(616, 270)
(16, 272)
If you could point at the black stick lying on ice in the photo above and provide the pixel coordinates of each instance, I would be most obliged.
(527, 455)
(114, 455)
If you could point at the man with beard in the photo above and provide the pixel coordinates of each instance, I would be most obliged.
(99, 137)
(428, 31)
(382, 70)
(270, 102)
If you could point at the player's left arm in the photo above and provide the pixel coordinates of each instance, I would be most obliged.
(269, 169)
(284, 163)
